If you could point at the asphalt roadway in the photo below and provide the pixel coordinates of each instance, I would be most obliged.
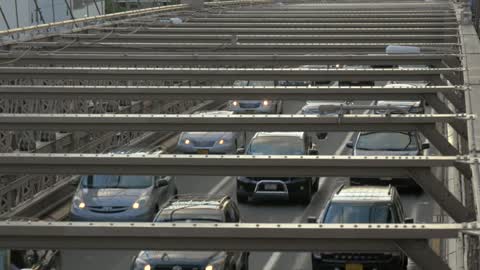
(419, 206)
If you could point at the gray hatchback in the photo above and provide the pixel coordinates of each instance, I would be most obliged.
(121, 198)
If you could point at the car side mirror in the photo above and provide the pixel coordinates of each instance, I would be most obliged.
(425, 146)
(312, 152)
(312, 219)
(322, 135)
(241, 150)
(75, 181)
(409, 220)
(350, 145)
(162, 181)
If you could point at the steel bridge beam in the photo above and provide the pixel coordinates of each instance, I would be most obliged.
(301, 24)
(220, 236)
(202, 122)
(145, 38)
(313, 19)
(280, 31)
(83, 73)
(227, 93)
(235, 47)
(178, 58)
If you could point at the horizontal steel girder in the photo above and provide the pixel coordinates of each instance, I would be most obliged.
(261, 166)
(312, 19)
(335, 15)
(219, 236)
(222, 92)
(304, 24)
(94, 73)
(242, 47)
(278, 31)
(227, 59)
(236, 122)
(145, 38)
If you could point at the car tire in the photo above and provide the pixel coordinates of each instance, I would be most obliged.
(306, 196)
(242, 198)
(245, 263)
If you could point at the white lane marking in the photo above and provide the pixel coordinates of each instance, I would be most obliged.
(275, 257)
(219, 186)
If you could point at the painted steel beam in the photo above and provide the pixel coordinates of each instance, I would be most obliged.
(279, 31)
(224, 92)
(334, 15)
(221, 165)
(192, 38)
(422, 254)
(177, 58)
(237, 122)
(219, 236)
(312, 19)
(120, 73)
(301, 24)
(235, 47)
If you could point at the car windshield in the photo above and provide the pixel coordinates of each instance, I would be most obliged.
(276, 145)
(387, 141)
(358, 213)
(322, 110)
(294, 83)
(116, 181)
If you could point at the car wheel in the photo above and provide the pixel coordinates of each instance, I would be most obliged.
(245, 263)
(242, 198)
(306, 196)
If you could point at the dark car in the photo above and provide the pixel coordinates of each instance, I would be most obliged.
(195, 209)
(369, 204)
(288, 188)
(264, 106)
(387, 144)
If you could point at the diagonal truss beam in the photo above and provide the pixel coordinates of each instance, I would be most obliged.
(422, 254)
(120, 73)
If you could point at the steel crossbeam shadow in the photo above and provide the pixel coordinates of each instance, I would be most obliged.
(94, 73)
(417, 167)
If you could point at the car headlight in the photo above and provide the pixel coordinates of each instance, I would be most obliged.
(187, 141)
(266, 103)
(222, 141)
(78, 203)
(139, 203)
(140, 264)
(235, 103)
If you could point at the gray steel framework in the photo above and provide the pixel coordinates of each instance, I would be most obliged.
(418, 168)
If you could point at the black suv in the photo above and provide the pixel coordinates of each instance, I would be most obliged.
(387, 144)
(195, 209)
(289, 188)
(367, 204)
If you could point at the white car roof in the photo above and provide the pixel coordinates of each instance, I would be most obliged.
(280, 134)
(399, 102)
(214, 112)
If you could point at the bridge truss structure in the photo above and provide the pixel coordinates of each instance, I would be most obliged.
(71, 91)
